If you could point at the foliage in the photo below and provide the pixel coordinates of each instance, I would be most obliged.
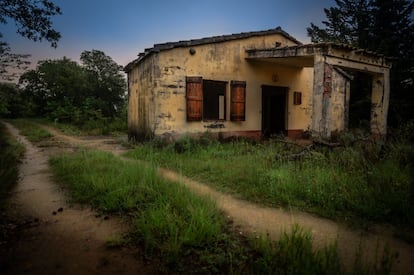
(184, 232)
(11, 151)
(106, 79)
(32, 18)
(293, 254)
(168, 219)
(33, 21)
(12, 104)
(84, 95)
(32, 131)
(346, 182)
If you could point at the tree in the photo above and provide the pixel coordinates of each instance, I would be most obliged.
(32, 18)
(13, 102)
(347, 23)
(11, 63)
(107, 81)
(382, 26)
(55, 86)
(33, 21)
(69, 92)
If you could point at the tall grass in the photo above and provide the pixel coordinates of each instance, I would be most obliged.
(360, 180)
(11, 151)
(180, 231)
(31, 130)
(166, 217)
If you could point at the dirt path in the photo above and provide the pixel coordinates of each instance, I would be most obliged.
(57, 238)
(255, 219)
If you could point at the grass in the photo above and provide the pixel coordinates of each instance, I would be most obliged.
(11, 152)
(31, 130)
(106, 126)
(179, 231)
(359, 181)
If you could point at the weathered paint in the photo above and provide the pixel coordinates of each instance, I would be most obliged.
(157, 84)
(161, 102)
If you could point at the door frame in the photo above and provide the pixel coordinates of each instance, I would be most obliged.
(271, 127)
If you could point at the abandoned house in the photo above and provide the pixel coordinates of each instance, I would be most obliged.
(251, 84)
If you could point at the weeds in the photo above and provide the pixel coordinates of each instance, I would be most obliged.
(186, 233)
(167, 219)
(11, 151)
(31, 130)
(361, 180)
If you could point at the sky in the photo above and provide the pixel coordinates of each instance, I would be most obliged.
(124, 28)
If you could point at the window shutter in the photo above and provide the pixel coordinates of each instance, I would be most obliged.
(238, 101)
(194, 96)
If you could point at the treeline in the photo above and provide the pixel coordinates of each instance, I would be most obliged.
(65, 91)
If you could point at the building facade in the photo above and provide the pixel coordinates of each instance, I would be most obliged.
(250, 84)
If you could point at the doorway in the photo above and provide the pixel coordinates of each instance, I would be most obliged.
(274, 102)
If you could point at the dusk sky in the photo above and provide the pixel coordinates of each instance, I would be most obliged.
(123, 28)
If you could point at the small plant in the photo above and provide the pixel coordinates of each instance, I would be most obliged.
(11, 152)
(31, 130)
(293, 253)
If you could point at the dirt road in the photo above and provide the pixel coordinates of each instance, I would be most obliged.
(252, 219)
(53, 237)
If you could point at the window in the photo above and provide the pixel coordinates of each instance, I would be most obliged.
(206, 99)
(214, 100)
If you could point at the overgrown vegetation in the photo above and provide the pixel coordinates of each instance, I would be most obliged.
(90, 95)
(31, 130)
(11, 151)
(186, 233)
(361, 180)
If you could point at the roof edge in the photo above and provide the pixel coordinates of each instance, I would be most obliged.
(207, 40)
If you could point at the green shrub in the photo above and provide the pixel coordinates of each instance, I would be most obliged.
(11, 152)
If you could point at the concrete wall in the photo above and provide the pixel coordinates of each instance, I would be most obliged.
(157, 86)
(141, 95)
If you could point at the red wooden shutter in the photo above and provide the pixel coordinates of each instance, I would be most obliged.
(238, 101)
(194, 96)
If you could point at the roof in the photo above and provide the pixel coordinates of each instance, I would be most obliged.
(304, 53)
(207, 40)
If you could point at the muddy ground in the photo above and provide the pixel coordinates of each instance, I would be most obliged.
(46, 235)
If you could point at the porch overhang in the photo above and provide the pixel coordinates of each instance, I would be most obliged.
(303, 56)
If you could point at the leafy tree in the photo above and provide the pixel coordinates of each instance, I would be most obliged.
(12, 101)
(80, 94)
(55, 83)
(32, 18)
(106, 80)
(346, 23)
(33, 21)
(383, 26)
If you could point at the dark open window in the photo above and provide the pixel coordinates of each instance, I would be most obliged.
(214, 100)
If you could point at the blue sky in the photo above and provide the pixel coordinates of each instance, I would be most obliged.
(123, 28)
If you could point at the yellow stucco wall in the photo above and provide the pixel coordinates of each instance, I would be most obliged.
(157, 85)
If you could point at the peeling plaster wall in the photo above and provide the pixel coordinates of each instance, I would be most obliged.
(339, 102)
(141, 91)
(380, 101)
(224, 62)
